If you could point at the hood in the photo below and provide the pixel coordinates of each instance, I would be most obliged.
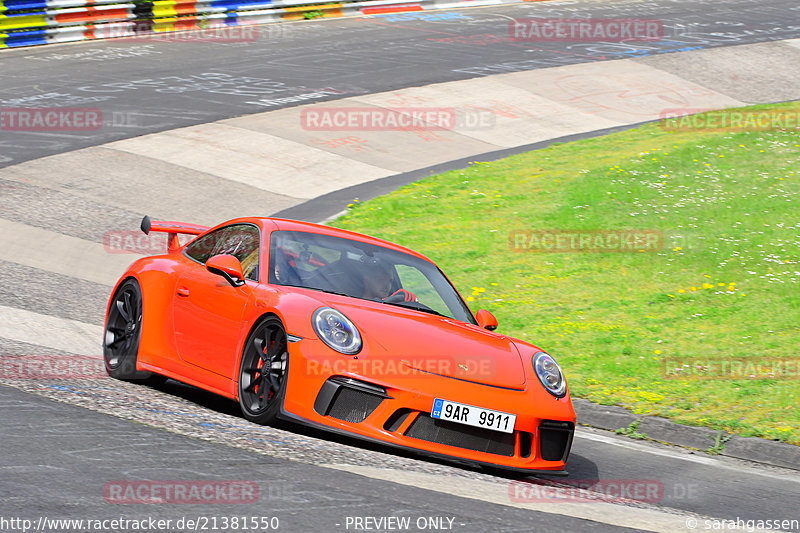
(435, 344)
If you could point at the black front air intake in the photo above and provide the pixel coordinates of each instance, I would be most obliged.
(471, 438)
(396, 419)
(555, 440)
(348, 399)
(352, 405)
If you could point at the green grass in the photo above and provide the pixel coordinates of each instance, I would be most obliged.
(725, 285)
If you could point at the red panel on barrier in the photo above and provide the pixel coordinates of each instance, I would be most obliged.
(186, 24)
(93, 14)
(398, 8)
(186, 9)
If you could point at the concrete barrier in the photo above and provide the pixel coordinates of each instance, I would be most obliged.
(37, 22)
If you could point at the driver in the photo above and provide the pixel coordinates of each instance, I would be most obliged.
(378, 280)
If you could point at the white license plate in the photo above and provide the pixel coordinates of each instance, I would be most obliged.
(473, 416)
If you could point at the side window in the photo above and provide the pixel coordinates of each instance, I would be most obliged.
(202, 249)
(294, 261)
(239, 240)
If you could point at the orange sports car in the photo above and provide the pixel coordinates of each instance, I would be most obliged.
(344, 332)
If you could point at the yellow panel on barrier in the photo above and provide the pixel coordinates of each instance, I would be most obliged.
(312, 8)
(25, 21)
(320, 11)
(160, 11)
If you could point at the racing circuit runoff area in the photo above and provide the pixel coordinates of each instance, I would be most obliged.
(206, 131)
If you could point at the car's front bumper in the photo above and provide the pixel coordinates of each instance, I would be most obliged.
(391, 403)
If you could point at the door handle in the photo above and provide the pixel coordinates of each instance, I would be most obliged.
(183, 291)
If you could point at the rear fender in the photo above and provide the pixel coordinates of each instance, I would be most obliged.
(157, 277)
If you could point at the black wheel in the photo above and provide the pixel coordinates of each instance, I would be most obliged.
(122, 335)
(263, 371)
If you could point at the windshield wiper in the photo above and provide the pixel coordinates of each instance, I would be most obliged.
(329, 292)
(318, 289)
(419, 307)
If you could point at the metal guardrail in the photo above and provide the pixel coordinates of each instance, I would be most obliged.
(36, 22)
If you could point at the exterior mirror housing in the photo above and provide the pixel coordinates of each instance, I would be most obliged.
(228, 267)
(486, 320)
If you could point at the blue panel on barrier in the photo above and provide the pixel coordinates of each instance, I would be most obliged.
(229, 4)
(13, 41)
(24, 4)
(25, 13)
(26, 34)
(240, 4)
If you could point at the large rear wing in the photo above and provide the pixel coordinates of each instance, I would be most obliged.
(172, 229)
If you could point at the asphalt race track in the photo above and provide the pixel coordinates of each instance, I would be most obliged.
(150, 86)
(63, 443)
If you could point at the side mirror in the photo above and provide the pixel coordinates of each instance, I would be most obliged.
(228, 267)
(486, 319)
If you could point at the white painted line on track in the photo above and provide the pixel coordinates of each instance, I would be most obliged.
(260, 160)
(684, 455)
(52, 332)
(61, 254)
(644, 519)
(640, 447)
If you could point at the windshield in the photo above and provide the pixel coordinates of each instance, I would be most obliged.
(364, 271)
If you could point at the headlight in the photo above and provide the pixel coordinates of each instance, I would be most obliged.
(336, 330)
(549, 373)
